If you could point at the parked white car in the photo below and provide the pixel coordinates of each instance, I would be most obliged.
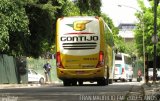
(34, 77)
(150, 73)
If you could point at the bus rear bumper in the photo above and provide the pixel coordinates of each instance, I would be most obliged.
(81, 74)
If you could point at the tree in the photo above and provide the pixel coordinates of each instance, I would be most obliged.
(13, 26)
(120, 45)
(70, 9)
(89, 7)
(148, 29)
(28, 26)
(42, 17)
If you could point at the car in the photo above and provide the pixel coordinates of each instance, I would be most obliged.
(34, 77)
(150, 73)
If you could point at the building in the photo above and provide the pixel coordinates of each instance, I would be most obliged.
(126, 31)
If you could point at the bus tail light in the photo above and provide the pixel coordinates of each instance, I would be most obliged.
(101, 59)
(58, 60)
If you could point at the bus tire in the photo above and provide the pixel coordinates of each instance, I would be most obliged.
(102, 82)
(74, 83)
(66, 83)
(80, 83)
(106, 81)
(130, 80)
(123, 80)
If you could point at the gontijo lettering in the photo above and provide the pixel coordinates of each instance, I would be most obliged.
(79, 38)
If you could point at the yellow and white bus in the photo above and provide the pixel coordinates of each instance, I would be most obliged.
(84, 50)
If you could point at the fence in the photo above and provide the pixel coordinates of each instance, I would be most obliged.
(138, 64)
(13, 70)
(9, 70)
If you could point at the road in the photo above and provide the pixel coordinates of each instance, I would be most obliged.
(88, 92)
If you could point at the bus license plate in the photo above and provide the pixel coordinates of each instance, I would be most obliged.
(80, 72)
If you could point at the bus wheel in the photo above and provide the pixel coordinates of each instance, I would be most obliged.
(122, 80)
(74, 83)
(66, 83)
(106, 81)
(102, 82)
(80, 83)
(130, 80)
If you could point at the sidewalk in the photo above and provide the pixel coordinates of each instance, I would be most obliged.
(5, 86)
(151, 91)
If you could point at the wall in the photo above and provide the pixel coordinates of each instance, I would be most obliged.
(10, 70)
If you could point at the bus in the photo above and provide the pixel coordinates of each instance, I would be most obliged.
(84, 50)
(123, 67)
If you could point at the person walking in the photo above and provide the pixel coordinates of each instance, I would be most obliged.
(139, 75)
(47, 69)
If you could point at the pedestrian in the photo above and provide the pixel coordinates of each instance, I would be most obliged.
(47, 69)
(139, 75)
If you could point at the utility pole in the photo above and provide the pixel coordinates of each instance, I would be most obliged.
(155, 40)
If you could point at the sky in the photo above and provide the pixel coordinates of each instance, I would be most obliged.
(123, 14)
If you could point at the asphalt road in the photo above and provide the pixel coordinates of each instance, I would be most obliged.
(88, 92)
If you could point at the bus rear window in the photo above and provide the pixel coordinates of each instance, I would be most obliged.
(118, 57)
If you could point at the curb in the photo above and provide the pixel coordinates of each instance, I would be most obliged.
(4, 86)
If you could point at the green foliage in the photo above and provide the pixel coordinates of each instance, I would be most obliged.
(146, 17)
(41, 30)
(89, 7)
(28, 26)
(4, 37)
(70, 9)
(13, 21)
(130, 48)
(119, 42)
(42, 25)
